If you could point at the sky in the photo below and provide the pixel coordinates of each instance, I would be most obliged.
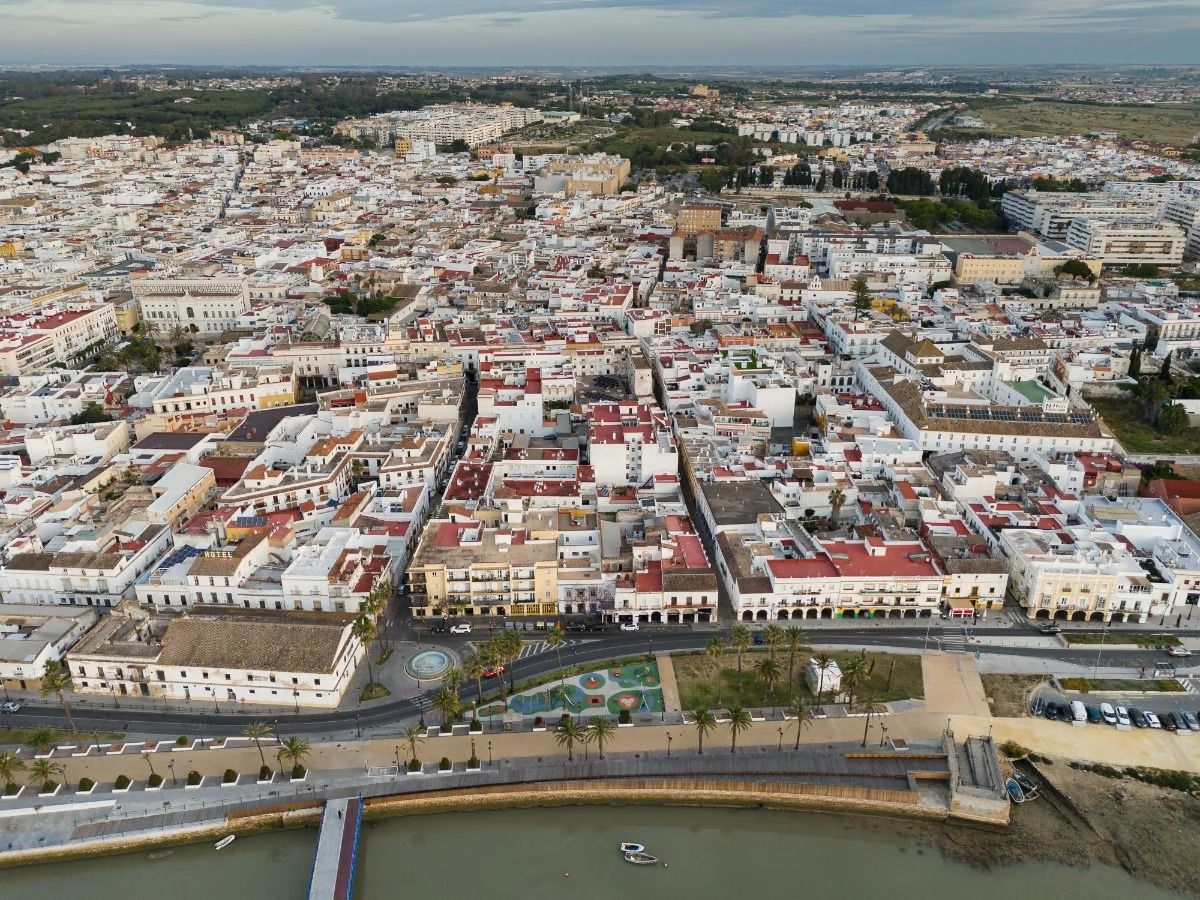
(598, 32)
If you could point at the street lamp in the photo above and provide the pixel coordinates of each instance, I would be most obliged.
(357, 725)
(1100, 652)
(883, 737)
(489, 753)
(780, 747)
(668, 745)
(171, 766)
(296, 699)
(397, 757)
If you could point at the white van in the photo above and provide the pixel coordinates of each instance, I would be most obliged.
(1078, 713)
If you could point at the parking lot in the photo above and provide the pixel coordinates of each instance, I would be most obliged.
(1157, 702)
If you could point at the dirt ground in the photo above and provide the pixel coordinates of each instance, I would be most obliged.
(1150, 832)
(1009, 693)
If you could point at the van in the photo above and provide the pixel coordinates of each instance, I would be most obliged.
(1078, 713)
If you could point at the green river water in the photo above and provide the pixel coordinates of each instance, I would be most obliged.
(715, 853)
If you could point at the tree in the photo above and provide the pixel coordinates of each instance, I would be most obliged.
(774, 637)
(1152, 393)
(569, 731)
(295, 750)
(801, 715)
(741, 639)
(1173, 419)
(10, 765)
(796, 639)
(413, 737)
(510, 645)
(44, 771)
(41, 738)
(909, 180)
(769, 672)
(364, 629)
(837, 499)
(91, 414)
(739, 721)
(706, 724)
(446, 702)
(1076, 268)
(555, 638)
(256, 731)
(854, 673)
(862, 295)
(712, 180)
(603, 731)
(1135, 361)
(824, 662)
(57, 680)
(473, 666)
(1165, 372)
(869, 705)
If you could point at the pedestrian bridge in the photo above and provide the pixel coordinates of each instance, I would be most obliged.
(337, 850)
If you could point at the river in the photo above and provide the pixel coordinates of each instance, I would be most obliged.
(526, 853)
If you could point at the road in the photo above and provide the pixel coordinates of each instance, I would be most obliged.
(171, 723)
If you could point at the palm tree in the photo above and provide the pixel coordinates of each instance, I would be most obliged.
(364, 629)
(446, 702)
(769, 672)
(43, 771)
(823, 662)
(568, 732)
(715, 649)
(256, 731)
(554, 637)
(706, 724)
(795, 638)
(739, 721)
(414, 737)
(773, 636)
(146, 759)
(510, 644)
(837, 499)
(801, 713)
(603, 731)
(295, 750)
(587, 739)
(41, 738)
(10, 765)
(473, 666)
(854, 673)
(741, 639)
(454, 678)
(57, 680)
(869, 703)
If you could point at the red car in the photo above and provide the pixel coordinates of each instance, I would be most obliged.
(489, 672)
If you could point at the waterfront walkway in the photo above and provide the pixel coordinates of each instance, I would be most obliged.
(337, 850)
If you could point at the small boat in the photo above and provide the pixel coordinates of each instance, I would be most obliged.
(224, 842)
(1015, 794)
(1026, 785)
(641, 859)
(159, 854)
(630, 847)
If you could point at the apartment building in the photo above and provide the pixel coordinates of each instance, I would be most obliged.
(49, 339)
(199, 390)
(1123, 243)
(630, 443)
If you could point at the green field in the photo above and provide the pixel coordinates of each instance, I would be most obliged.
(1175, 123)
(1124, 419)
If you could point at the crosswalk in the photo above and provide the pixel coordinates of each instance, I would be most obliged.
(954, 638)
(537, 648)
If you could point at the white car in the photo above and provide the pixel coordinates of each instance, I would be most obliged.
(461, 628)
(629, 626)
(1152, 720)
(1176, 650)
(1108, 713)
(1122, 716)
(11, 706)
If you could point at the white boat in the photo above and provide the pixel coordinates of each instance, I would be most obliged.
(630, 847)
(641, 859)
(225, 842)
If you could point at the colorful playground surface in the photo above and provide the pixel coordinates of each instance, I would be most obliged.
(635, 687)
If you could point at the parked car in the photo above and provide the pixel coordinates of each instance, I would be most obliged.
(494, 671)
(629, 626)
(461, 628)
(1168, 721)
(1176, 650)
(11, 706)
(1051, 712)
(1049, 629)
(1193, 723)
(759, 639)
(1108, 713)
(439, 628)
(1138, 717)
(1152, 719)
(1093, 715)
(1122, 716)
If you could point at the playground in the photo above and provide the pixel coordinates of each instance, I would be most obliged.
(635, 687)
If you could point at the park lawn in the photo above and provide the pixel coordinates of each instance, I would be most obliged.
(708, 684)
(10, 736)
(1136, 435)
(1008, 693)
(1104, 685)
(1150, 641)
(1170, 123)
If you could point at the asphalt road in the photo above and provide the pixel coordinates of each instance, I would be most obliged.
(595, 648)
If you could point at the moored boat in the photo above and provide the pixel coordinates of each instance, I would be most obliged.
(631, 847)
(225, 842)
(641, 859)
(1015, 794)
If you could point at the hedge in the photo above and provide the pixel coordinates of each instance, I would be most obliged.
(122, 782)
(194, 777)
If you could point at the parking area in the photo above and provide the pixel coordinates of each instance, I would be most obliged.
(1124, 709)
